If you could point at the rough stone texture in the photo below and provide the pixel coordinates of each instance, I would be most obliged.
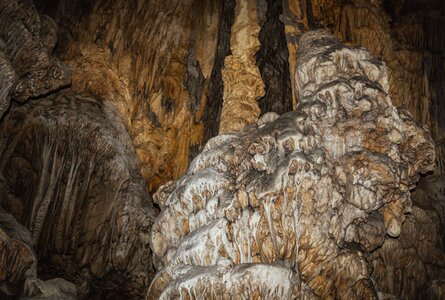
(7, 80)
(212, 112)
(28, 68)
(413, 266)
(17, 258)
(73, 179)
(18, 265)
(243, 85)
(406, 34)
(153, 60)
(293, 206)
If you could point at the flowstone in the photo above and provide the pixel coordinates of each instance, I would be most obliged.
(292, 206)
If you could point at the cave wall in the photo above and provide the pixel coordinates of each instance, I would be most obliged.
(159, 93)
(153, 61)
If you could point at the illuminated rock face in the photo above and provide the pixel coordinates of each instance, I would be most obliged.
(243, 85)
(293, 205)
(153, 61)
(406, 35)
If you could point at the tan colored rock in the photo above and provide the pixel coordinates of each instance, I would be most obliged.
(397, 32)
(242, 79)
(17, 258)
(312, 192)
(153, 60)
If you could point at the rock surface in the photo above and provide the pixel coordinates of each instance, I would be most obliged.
(243, 85)
(307, 196)
(28, 67)
(73, 179)
(407, 35)
(71, 174)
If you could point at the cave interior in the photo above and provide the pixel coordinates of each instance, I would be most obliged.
(222, 149)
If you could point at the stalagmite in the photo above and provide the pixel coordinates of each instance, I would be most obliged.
(319, 186)
(294, 205)
(243, 85)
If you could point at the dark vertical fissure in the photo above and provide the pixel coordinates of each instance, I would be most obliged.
(272, 60)
(212, 113)
(434, 68)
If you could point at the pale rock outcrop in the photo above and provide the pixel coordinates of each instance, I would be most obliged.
(243, 85)
(292, 206)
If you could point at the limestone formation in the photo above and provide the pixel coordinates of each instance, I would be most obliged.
(17, 258)
(153, 61)
(18, 265)
(103, 101)
(73, 179)
(294, 205)
(242, 80)
(407, 35)
(413, 266)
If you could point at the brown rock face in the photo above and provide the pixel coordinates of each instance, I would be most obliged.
(71, 173)
(73, 179)
(413, 266)
(17, 259)
(153, 60)
(293, 206)
(18, 265)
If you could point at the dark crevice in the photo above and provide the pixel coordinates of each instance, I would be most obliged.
(272, 60)
(212, 113)
(194, 80)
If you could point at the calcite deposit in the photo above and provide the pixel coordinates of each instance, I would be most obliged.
(293, 206)
(243, 85)
(407, 35)
(309, 191)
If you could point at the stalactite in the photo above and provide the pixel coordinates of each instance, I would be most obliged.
(153, 61)
(243, 85)
(215, 93)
